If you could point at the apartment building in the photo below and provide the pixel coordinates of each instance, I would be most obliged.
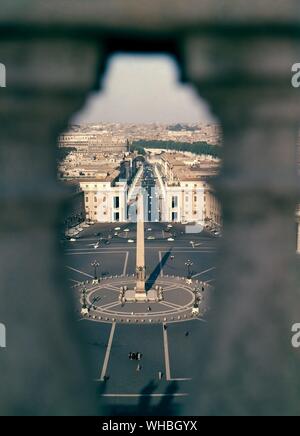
(105, 197)
(186, 190)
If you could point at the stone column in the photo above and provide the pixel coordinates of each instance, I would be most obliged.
(140, 247)
(44, 369)
(246, 364)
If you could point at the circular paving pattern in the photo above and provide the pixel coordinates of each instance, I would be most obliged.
(178, 304)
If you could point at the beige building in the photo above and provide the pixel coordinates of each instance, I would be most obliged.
(94, 142)
(105, 197)
(186, 194)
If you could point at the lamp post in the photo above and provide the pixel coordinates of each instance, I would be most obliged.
(189, 264)
(84, 302)
(95, 265)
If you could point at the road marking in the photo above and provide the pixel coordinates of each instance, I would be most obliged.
(125, 264)
(106, 307)
(181, 379)
(112, 250)
(144, 395)
(212, 280)
(81, 253)
(167, 356)
(80, 272)
(171, 288)
(113, 288)
(177, 250)
(74, 281)
(160, 263)
(108, 350)
(172, 305)
(203, 272)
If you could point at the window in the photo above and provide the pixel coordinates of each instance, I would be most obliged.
(116, 202)
(87, 199)
(174, 202)
(95, 199)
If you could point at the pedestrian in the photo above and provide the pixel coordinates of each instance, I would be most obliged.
(160, 375)
(187, 333)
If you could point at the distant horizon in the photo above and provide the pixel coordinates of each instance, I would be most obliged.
(143, 89)
(204, 123)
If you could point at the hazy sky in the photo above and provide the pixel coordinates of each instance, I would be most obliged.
(143, 89)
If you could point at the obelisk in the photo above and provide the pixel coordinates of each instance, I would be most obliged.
(140, 250)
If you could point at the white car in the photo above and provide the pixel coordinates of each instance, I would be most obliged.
(131, 241)
(126, 230)
(73, 240)
(171, 239)
(117, 228)
(169, 226)
(149, 230)
(151, 238)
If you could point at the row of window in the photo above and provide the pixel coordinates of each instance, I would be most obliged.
(95, 186)
(116, 201)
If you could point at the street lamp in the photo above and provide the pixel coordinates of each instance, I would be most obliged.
(95, 265)
(189, 264)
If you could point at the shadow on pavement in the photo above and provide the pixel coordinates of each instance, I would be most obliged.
(156, 272)
(145, 407)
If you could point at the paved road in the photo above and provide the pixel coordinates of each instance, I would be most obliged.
(127, 390)
(167, 349)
